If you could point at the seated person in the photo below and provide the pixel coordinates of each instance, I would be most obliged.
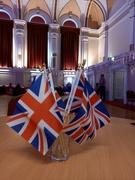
(68, 87)
(10, 89)
(16, 90)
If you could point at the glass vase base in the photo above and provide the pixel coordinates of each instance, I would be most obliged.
(60, 148)
(59, 159)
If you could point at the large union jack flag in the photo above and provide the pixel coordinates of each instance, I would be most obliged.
(91, 116)
(36, 117)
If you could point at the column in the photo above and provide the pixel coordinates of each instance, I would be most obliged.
(84, 41)
(105, 37)
(94, 79)
(110, 84)
(127, 80)
(19, 44)
(132, 29)
(54, 47)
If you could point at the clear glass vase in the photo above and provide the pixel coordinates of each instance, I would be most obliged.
(60, 148)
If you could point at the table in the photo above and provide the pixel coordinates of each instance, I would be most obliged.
(110, 156)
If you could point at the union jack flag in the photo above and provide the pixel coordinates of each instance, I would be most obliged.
(91, 116)
(36, 117)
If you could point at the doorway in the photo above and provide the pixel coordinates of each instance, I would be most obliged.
(118, 85)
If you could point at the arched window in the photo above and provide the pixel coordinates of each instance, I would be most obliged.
(4, 15)
(69, 23)
(37, 19)
(69, 20)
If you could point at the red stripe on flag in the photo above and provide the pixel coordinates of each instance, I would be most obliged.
(30, 129)
(94, 98)
(82, 139)
(77, 133)
(103, 115)
(17, 117)
(46, 87)
(78, 93)
(74, 124)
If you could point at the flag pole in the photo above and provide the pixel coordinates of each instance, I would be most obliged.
(73, 89)
(80, 68)
(60, 140)
(66, 116)
(51, 81)
(74, 86)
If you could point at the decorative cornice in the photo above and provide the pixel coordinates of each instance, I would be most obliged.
(20, 32)
(85, 29)
(122, 10)
(20, 22)
(84, 38)
(54, 26)
(90, 32)
(54, 35)
(63, 72)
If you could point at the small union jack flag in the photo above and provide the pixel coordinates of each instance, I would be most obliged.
(91, 116)
(36, 117)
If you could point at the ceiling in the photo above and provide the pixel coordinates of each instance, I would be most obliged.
(90, 13)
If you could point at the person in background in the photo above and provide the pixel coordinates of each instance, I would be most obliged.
(102, 83)
(16, 90)
(10, 89)
(96, 88)
(68, 87)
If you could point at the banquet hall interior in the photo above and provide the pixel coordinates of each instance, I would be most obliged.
(60, 35)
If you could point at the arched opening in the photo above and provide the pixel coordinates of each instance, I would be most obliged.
(69, 24)
(37, 19)
(4, 15)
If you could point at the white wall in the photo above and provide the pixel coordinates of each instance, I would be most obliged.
(119, 38)
(58, 80)
(6, 78)
(27, 79)
(101, 49)
(92, 51)
(15, 77)
(115, 6)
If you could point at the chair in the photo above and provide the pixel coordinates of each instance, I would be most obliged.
(12, 105)
(130, 96)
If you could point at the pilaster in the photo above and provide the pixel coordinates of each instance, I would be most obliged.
(85, 41)
(54, 47)
(19, 43)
